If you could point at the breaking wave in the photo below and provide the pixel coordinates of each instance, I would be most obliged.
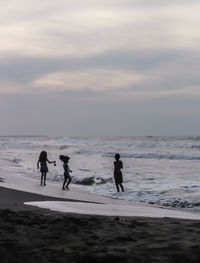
(91, 180)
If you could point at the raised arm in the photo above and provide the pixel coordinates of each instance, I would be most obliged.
(50, 161)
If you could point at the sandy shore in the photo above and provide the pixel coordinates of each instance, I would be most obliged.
(36, 235)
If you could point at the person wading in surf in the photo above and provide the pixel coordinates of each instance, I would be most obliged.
(118, 165)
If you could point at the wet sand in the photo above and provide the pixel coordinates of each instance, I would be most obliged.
(32, 234)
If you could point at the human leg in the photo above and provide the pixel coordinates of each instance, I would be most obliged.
(69, 181)
(64, 182)
(45, 175)
(42, 176)
(117, 186)
(122, 188)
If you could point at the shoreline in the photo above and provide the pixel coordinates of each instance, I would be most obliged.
(79, 201)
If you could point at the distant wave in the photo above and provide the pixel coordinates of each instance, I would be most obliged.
(148, 155)
(145, 155)
(170, 156)
(98, 143)
(16, 160)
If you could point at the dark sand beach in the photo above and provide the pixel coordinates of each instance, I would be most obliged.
(30, 234)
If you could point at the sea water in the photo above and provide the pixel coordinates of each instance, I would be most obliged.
(157, 170)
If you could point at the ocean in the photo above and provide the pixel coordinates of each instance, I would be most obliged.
(161, 171)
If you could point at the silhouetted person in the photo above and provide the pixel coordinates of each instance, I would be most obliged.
(118, 165)
(67, 177)
(43, 166)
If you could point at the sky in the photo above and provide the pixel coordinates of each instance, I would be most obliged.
(100, 67)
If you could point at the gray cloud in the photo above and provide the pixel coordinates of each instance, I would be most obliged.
(167, 70)
(25, 69)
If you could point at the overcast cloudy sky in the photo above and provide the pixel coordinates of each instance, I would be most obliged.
(100, 67)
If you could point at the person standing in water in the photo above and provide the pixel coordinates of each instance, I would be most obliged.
(118, 165)
(67, 171)
(43, 166)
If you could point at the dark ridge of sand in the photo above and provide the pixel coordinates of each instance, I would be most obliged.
(38, 235)
(15, 199)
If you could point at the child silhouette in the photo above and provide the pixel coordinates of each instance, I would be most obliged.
(43, 166)
(118, 165)
(67, 177)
